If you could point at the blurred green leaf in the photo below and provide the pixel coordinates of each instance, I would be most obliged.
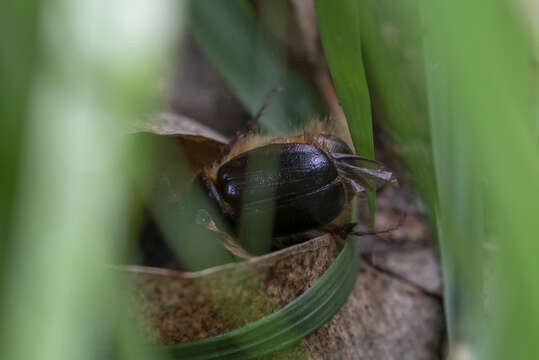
(474, 81)
(229, 35)
(73, 74)
(174, 200)
(482, 110)
(392, 44)
(18, 57)
(392, 41)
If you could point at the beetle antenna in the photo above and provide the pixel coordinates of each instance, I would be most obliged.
(366, 177)
(401, 221)
(266, 103)
(384, 175)
(353, 184)
(343, 231)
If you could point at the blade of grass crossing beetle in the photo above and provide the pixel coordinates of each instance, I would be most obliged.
(339, 26)
(228, 34)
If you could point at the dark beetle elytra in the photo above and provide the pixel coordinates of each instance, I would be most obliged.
(301, 182)
(297, 183)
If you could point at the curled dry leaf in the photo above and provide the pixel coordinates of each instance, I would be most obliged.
(173, 124)
(201, 145)
(382, 318)
(176, 307)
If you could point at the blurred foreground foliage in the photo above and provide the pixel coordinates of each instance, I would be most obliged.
(454, 83)
(72, 75)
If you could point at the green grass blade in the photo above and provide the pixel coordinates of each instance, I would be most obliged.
(229, 35)
(339, 25)
(485, 146)
(452, 176)
(393, 52)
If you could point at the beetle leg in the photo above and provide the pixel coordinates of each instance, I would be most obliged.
(402, 218)
(211, 192)
(344, 230)
(351, 185)
(266, 103)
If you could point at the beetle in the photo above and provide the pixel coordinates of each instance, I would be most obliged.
(302, 182)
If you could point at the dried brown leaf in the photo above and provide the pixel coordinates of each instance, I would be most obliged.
(201, 145)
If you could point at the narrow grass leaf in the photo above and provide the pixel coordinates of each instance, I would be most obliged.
(485, 146)
(339, 25)
(340, 32)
